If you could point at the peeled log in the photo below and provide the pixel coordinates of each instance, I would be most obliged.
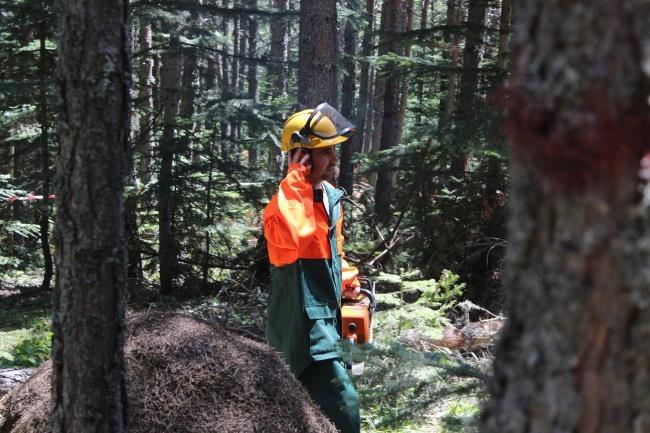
(473, 336)
(185, 375)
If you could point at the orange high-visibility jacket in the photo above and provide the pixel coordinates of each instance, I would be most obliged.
(305, 247)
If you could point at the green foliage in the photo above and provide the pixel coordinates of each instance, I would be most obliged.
(444, 294)
(33, 350)
(400, 384)
(461, 416)
(415, 304)
(404, 377)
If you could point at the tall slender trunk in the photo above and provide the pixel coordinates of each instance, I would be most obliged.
(146, 104)
(156, 89)
(44, 220)
(391, 25)
(226, 88)
(170, 83)
(88, 386)
(449, 81)
(424, 19)
(208, 217)
(365, 77)
(503, 54)
(349, 147)
(318, 53)
(236, 43)
(279, 73)
(466, 109)
(253, 88)
(189, 93)
(279, 50)
(404, 92)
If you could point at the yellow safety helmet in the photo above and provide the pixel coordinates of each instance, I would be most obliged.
(321, 127)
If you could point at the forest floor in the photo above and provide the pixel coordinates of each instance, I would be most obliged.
(26, 307)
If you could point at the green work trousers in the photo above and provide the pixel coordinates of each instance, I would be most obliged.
(332, 390)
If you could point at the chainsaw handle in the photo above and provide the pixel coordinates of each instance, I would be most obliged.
(370, 295)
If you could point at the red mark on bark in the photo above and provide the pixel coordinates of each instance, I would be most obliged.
(604, 143)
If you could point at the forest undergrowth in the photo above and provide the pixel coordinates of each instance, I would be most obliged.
(409, 384)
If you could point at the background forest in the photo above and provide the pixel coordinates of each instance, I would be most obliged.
(212, 82)
(153, 125)
(209, 86)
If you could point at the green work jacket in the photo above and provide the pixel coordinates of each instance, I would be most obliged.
(304, 302)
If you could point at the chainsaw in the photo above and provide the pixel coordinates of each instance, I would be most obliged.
(356, 319)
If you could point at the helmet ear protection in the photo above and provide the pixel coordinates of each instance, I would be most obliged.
(301, 137)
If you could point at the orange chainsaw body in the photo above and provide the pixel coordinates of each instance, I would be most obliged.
(356, 315)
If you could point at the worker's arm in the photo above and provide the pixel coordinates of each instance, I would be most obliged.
(289, 222)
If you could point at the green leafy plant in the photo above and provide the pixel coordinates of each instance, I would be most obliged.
(35, 349)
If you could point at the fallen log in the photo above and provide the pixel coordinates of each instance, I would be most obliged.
(473, 336)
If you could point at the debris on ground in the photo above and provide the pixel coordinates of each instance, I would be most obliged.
(186, 375)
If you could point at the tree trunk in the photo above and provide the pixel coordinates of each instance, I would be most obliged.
(48, 269)
(348, 148)
(226, 89)
(503, 55)
(279, 73)
(188, 83)
(170, 83)
(466, 110)
(365, 79)
(279, 50)
(424, 18)
(145, 98)
(234, 81)
(189, 93)
(450, 81)
(574, 352)
(391, 25)
(253, 90)
(318, 53)
(88, 387)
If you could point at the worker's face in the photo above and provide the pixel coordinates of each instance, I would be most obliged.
(323, 162)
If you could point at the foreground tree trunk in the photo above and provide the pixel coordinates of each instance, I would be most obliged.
(88, 390)
(574, 355)
(317, 53)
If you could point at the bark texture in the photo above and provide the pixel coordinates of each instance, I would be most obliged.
(574, 352)
(365, 79)
(145, 96)
(88, 392)
(392, 23)
(317, 53)
(44, 219)
(348, 89)
(170, 82)
(278, 73)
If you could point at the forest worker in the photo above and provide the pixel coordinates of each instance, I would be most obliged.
(302, 226)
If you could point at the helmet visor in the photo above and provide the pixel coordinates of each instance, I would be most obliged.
(326, 122)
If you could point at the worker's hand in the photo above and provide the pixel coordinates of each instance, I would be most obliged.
(352, 290)
(302, 157)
